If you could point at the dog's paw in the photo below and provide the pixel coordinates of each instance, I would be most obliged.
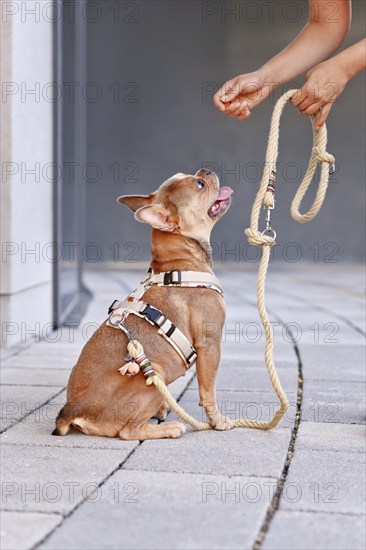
(222, 423)
(174, 429)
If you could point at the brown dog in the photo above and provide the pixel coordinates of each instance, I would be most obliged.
(100, 401)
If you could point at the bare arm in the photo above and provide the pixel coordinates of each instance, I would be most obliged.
(326, 81)
(322, 35)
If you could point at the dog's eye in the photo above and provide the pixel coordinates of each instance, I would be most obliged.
(200, 184)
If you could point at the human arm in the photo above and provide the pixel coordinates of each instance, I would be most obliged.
(326, 81)
(321, 36)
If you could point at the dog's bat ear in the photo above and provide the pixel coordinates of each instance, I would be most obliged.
(157, 216)
(134, 202)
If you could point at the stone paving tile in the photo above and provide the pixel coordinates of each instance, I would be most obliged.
(333, 334)
(254, 405)
(18, 401)
(180, 384)
(20, 530)
(334, 401)
(44, 479)
(326, 481)
(34, 377)
(162, 510)
(304, 530)
(244, 352)
(254, 378)
(242, 451)
(331, 437)
(24, 360)
(53, 348)
(320, 362)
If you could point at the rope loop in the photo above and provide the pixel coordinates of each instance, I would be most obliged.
(319, 154)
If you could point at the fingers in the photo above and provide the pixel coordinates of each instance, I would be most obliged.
(244, 115)
(303, 100)
(234, 92)
(297, 98)
(225, 94)
(307, 102)
(218, 103)
(241, 113)
(230, 90)
(324, 114)
(240, 108)
(234, 108)
(310, 107)
(311, 110)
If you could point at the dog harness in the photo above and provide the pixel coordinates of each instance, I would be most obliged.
(119, 311)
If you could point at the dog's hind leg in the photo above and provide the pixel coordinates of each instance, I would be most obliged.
(150, 431)
(162, 413)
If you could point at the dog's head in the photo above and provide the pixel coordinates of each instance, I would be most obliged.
(185, 204)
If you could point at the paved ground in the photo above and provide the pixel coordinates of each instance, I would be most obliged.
(300, 486)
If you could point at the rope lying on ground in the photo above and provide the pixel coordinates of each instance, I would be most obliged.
(265, 197)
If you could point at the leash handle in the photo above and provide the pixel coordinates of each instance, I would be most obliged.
(265, 195)
(266, 239)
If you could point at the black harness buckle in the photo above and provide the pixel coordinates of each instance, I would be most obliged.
(152, 313)
(173, 277)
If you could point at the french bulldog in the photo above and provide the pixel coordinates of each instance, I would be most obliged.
(101, 402)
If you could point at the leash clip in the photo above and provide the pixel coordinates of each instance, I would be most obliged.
(124, 329)
(268, 230)
(268, 217)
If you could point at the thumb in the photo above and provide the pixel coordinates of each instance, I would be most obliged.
(323, 114)
(230, 90)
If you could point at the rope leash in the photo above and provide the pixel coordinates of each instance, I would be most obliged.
(266, 240)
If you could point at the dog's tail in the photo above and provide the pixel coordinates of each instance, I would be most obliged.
(64, 420)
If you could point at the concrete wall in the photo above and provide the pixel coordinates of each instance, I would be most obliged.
(26, 198)
(167, 57)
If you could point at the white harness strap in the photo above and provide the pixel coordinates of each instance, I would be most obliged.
(119, 311)
(155, 317)
(195, 279)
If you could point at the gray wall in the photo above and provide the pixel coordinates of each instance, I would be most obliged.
(164, 54)
(26, 191)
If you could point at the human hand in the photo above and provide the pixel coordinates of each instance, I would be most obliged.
(239, 95)
(324, 84)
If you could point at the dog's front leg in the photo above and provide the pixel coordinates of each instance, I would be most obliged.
(208, 361)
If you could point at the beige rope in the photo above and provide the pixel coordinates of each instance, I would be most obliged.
(255, 237)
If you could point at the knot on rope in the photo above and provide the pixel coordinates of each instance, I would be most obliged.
(258, 238)
(134, 348)
(323, 156)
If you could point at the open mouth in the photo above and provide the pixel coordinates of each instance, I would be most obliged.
(221, 203)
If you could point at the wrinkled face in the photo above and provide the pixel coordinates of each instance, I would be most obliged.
(189, 205)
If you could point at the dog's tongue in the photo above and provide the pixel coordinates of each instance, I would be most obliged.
(224, 193)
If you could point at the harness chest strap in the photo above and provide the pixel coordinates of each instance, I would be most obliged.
(155, 317)
(119, 310)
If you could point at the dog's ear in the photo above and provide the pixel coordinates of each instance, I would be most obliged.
(134, 202)
(157, 216)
